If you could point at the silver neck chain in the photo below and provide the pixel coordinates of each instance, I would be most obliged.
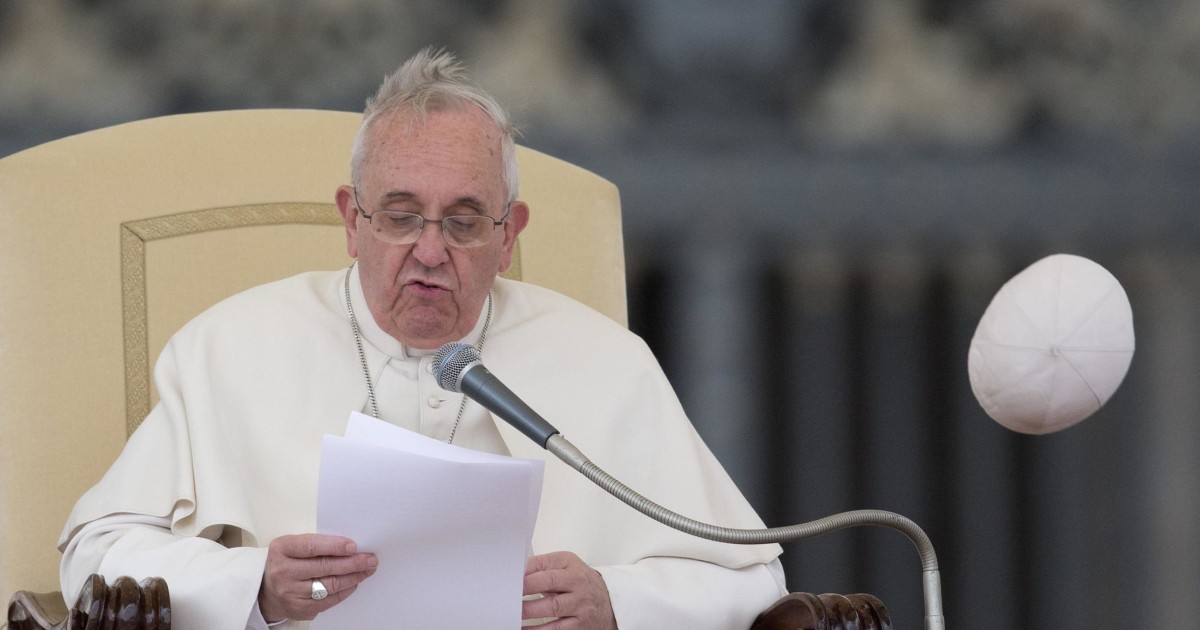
(362, 356)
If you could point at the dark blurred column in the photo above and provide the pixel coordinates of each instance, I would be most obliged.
(718, 351)
(818, 464)
(892, 422)
(980, 566)
(1167, 320)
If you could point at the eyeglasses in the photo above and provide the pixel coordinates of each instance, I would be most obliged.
(404, 228)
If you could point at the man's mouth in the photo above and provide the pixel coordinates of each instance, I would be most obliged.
(427, 287)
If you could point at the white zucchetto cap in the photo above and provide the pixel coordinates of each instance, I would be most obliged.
(1053, 345)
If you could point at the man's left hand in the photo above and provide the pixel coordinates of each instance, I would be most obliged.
(571, 590)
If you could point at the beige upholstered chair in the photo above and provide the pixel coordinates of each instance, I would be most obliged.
(114, 238)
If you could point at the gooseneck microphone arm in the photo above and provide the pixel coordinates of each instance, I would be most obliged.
(459, 369)
(564, 450)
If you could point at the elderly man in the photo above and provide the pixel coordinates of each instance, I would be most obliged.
(215, 491)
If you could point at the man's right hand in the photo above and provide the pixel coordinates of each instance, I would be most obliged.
(293, 562)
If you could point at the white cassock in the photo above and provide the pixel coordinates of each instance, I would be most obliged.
(228, 459)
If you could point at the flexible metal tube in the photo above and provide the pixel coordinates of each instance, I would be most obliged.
(931, 583)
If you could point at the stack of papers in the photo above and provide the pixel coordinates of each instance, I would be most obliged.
(451, 527)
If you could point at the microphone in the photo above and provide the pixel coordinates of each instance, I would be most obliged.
(459, 368)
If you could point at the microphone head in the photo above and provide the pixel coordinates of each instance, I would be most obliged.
(449, 362)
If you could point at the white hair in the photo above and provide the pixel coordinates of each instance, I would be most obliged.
(434, 81)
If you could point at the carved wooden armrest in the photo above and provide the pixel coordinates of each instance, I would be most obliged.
(126, 605)
(29, 611)
(805, 611)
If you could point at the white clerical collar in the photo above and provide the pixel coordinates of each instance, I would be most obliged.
(374, 335)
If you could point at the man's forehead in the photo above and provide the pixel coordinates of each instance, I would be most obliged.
(457, 152)
(445, 138)
(406, 127)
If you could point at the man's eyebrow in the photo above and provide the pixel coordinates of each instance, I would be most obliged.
(470, 201)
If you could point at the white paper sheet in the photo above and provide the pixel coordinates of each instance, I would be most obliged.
(451, 527)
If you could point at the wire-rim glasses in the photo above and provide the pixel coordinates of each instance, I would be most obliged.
(399, 227)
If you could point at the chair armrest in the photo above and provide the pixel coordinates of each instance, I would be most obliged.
(151, 598)
(805, 611)
(36, 611)
(124, 604)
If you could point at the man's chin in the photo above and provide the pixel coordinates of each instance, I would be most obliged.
(426, 345)
(427, 333)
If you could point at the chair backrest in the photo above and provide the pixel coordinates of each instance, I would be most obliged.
(112, 239)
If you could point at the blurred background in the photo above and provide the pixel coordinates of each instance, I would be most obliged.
(820, 199)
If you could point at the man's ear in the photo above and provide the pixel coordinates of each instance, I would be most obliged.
(518, 218)
(349, 211)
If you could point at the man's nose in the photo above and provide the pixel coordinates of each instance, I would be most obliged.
(431, 249)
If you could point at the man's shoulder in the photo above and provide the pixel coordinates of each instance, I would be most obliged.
(271, 304)
(537, 317)
(526, 302)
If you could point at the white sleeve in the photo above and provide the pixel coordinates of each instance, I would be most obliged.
(664, 592)
(210, 585)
